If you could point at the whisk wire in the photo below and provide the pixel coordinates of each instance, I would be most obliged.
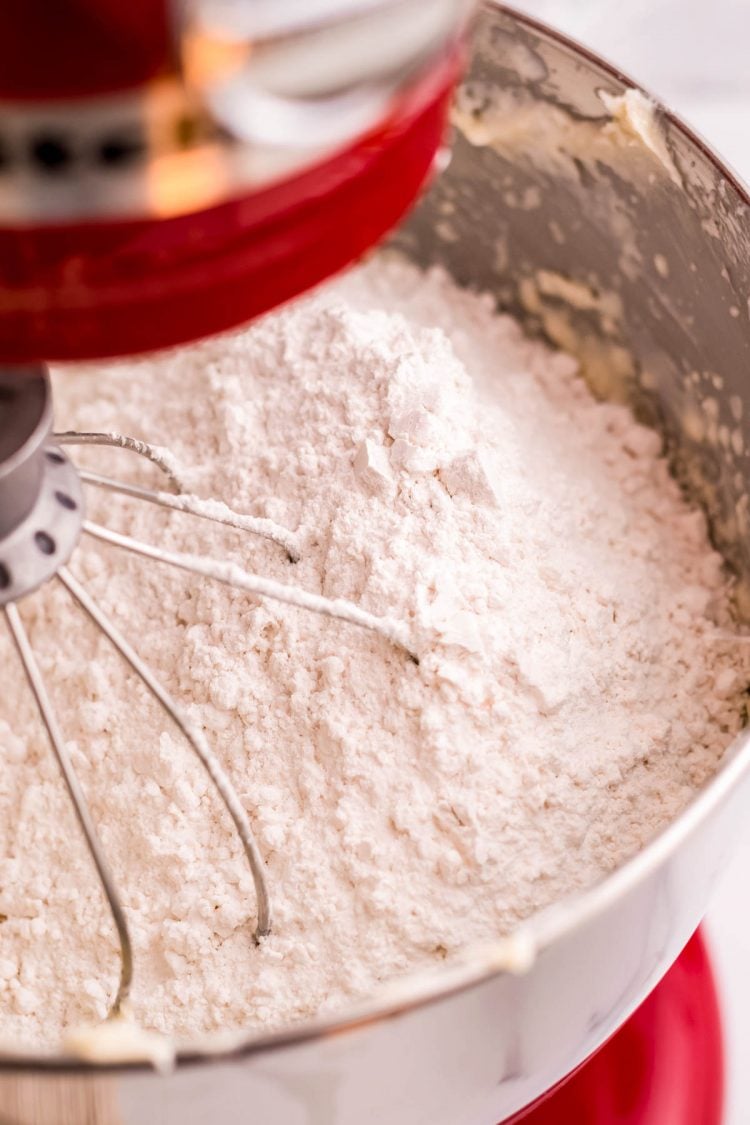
(193, 736)
(232, 575)
(49, 718)
(156, 454)
(214, 510)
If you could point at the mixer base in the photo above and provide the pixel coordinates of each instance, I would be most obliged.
(664, 1067)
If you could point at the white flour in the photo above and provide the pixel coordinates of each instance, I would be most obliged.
(573, 693)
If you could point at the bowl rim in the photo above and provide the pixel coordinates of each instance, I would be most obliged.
(479, 962)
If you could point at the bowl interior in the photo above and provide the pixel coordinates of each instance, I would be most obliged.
(607, 226)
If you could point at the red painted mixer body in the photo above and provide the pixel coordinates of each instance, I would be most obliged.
(75, 48)
(86, 289)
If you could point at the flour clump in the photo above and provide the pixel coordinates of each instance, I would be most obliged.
(578, 680)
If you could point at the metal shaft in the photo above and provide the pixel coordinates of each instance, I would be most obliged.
(156, 454)
(25, 422)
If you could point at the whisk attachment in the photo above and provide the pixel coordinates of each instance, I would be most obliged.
(42, 514)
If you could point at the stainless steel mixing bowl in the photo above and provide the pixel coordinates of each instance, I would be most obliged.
(619, 234)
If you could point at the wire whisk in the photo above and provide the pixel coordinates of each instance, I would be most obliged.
(173, 498)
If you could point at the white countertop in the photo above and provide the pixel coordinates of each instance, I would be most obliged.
(693, 55)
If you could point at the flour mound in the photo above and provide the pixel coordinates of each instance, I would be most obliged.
(578, 682)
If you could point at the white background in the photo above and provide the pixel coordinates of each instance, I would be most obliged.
(695, 56)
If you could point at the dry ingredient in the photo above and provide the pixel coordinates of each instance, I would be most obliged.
(579, 677)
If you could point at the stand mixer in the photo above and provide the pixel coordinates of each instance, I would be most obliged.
(166, 173)
(146, 197)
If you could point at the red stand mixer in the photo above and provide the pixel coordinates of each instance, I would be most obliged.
(170, 171)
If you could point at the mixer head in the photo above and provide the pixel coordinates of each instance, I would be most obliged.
(170, 171)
